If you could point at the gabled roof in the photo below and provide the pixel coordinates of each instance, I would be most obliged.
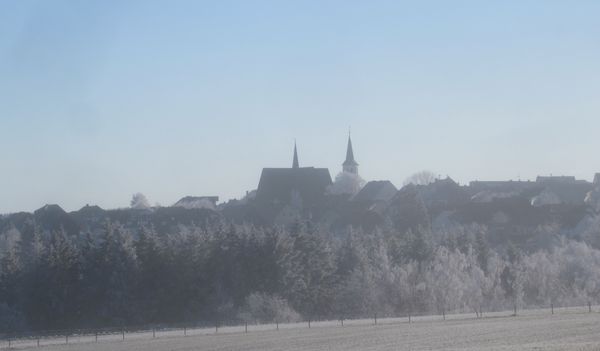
(196, 201)
(378, 190)
(276, 185)
(443, 193)
(559, 179)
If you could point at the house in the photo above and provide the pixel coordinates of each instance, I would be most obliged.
(198, 202)
(376, 191)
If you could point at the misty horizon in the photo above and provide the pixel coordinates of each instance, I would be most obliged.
(125, 202)
(99, 102)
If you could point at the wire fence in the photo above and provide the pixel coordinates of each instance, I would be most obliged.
(77, 336)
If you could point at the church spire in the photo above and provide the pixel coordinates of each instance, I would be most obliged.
(295, 162)
(350, 165)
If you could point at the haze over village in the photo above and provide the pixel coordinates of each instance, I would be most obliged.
(286, 194)
(486, 241)
(299, 175)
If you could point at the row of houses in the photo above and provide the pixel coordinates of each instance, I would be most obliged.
(288, 192)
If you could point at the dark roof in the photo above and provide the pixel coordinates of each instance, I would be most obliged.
(559, 179)
(518, 186)
(189, 199)
(91, 209)
(349, 155)
(568, 189)
(442, 193)
(520, 212)
(54, 218)
(378, 190)
(277, 184)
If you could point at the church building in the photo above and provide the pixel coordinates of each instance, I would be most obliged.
(350, 166)
(299, 187)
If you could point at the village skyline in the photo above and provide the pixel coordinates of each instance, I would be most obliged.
(339, 169)
(102, 100)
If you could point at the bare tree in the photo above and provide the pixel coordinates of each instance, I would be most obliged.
(139, 201)
(421, 178)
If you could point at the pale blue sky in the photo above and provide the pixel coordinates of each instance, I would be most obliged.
(101, 99)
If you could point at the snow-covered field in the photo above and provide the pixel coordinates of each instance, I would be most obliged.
(567, 329)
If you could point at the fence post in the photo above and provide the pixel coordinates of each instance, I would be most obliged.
(589, 307)
(38, 341)
(184, 331)
(216, 327)
(9, 342)
(342, 320)
(246, 327)
(552, 308)
(444, 314)
(408, 317)
(153, 333)
(67, 338)
(123, 332)
(375, 317)
(309, 323)
(96, 335)
(277, 324)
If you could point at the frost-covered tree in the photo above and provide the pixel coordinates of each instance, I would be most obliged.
(580, 270)
(139, 202)
(545, 198)
(592, 199)
(407, 211)
(446, 279)
(493, 293)
(346, 183)
(11, 273)
(116, 265)
(412, 285)
(542, 285)
(202, 272)
(517, 282)
(265, 308)
(475, 283)
(9, 240)
(308, 269)
(421, 178)
(416, 245)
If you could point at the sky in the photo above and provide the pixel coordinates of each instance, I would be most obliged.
(103, 99)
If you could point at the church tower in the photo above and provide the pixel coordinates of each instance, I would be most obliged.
(295, 162)
(350, 166)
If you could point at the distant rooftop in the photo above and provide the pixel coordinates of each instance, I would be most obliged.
(276, 185)
(197, 202)
(376, 190)
(558, 179)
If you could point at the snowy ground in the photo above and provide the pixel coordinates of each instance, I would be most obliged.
(567, 329)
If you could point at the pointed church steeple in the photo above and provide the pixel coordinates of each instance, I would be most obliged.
(350, 165)
(295, 162)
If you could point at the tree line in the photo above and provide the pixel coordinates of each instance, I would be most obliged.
(118, 277)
